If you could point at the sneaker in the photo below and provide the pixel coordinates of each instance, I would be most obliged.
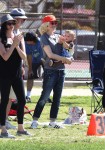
(34, 124)
(9, 125)
(55, 125)
(23, 133)
(7, 135)
(28, 99)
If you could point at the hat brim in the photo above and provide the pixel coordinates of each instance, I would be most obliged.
(22, 17)
(9, 20)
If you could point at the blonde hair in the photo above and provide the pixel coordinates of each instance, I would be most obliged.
(43, 28)
(71, 32)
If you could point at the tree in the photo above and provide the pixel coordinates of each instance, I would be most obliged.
(57, 3)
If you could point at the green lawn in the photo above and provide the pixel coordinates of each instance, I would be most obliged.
(43, 138)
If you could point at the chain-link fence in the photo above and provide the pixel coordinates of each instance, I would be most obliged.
(78, 15)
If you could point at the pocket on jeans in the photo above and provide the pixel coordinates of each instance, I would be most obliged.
(48, 73)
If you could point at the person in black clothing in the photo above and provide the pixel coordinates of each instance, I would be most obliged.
(12, 52)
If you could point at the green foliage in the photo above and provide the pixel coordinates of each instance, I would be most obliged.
(92, 5)
(57, 3)
(70, 25)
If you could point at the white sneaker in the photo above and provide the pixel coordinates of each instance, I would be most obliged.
(34, 124)
(55, 125)
(9, 125)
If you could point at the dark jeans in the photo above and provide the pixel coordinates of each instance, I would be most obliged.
(103, 98)
(18, 87)
(52, 80)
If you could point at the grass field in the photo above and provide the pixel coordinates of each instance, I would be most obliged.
(43, 138)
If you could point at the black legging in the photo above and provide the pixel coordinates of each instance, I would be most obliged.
(18, 87)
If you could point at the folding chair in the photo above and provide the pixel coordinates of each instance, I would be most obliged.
(13, 110)
(97, 63)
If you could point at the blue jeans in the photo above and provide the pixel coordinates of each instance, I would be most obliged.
(52, 80)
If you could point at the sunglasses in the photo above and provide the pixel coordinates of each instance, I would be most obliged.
(10, 23)
(20, 20)
(53, 22)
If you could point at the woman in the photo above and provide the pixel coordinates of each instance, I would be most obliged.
(11, 54)
(53, 78)
(19, 15)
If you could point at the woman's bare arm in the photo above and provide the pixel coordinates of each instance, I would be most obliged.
(51, 55)
(21, 51)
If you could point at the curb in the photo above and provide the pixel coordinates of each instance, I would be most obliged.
(67, 83)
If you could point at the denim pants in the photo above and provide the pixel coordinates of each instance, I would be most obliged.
(52, 80)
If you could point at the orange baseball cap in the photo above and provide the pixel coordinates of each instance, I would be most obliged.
(48, 18)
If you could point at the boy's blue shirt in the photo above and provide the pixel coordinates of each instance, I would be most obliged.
(66, 53)
(34, 50)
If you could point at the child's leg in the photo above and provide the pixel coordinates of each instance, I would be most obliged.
(29, 89)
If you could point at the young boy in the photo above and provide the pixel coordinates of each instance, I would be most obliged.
(68, 45)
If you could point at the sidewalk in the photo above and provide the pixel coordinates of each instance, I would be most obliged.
(67, 83)
(70, 88)
(66, 92)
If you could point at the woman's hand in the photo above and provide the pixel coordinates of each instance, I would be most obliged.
(66, 60)
(61, 39)
(21, 50)
(17, 40)
(6, 52)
